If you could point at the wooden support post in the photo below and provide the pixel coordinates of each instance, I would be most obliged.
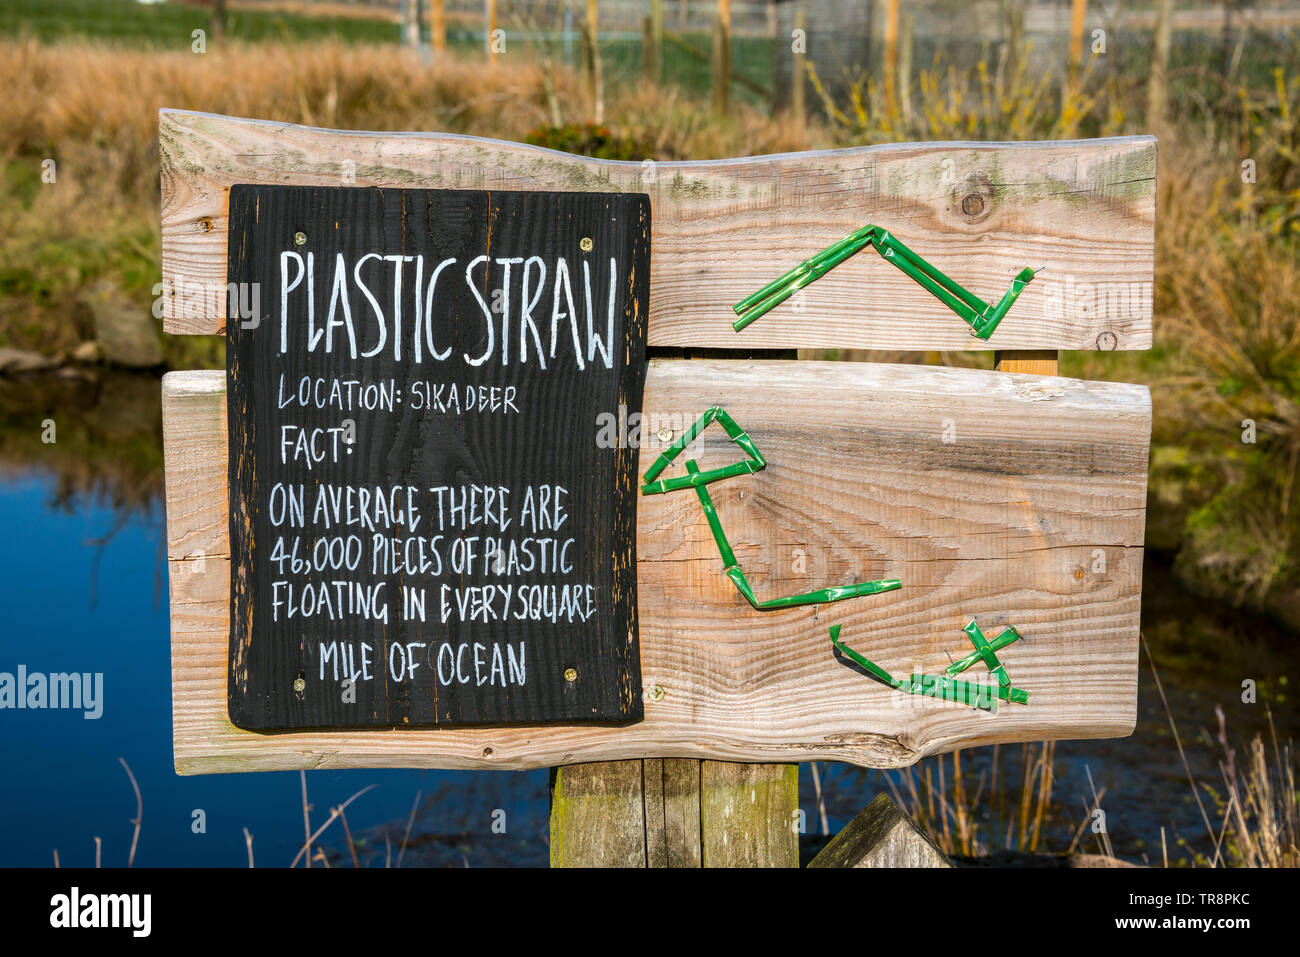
(799, 75)
(722, 58)
(747, 814)
(438, 25)
(882, 835)
(1013, 29)
(1034, 362)
(1158, 92)
(674, 812)
(597, 815)
(905, 70)
(595, 81)
(891, 57)
(1078, 14)
(653, 42)
(489, 29)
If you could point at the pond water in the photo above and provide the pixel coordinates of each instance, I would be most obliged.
(84, 583)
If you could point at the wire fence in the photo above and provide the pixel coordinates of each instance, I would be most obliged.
(759, 50)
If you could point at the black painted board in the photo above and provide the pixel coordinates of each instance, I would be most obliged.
(426, 525)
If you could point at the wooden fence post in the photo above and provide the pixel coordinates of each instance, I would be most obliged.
(595, 81)
(438, 25)
(1158, 92)
(722, 58)
(891, 57)
(905, 70)
(489, 28)
(674, 812)
(653, 42)
(799, 74)
(1078, 15)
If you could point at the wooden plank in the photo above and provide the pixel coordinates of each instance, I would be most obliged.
(674, 812)
(746, 814)
(597, 815)
(1029, 362)
(1083, 210)
(681, 804)
(652, 789)
(1032, 514)
(881, 835)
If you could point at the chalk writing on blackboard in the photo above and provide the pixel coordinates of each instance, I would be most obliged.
(425, 529)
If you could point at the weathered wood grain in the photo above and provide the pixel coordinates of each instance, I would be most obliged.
(1032, 514)
(681, 781)
(1082, 210)
(674, 812)
(746, 814)
(626, 814)
(881, 835)
(597, 815)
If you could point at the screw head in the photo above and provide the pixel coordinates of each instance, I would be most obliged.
(665, 434)
(657, 693)
(570, 674)
(300, 238)
(586, 245)
(300, 685)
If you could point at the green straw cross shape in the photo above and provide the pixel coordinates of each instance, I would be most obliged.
(945, 686)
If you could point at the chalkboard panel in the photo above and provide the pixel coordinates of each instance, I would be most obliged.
(426, 525)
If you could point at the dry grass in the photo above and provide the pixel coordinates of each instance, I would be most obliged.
(1261, 813)
(93, 110)
(973, 814)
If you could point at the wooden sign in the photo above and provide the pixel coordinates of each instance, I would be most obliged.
(1006, 498)
(425, 528)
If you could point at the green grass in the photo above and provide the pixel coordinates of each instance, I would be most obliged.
(131, 23)
(751, 58)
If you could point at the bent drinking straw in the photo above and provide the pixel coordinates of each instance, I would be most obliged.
(699, 481)
(695, 477)
(731, 568)
(1008, 636)
(944, 686)
(862, 660)
(982, 317)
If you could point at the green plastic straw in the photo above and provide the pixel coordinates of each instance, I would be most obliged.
(698, 480)
(983, 318)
